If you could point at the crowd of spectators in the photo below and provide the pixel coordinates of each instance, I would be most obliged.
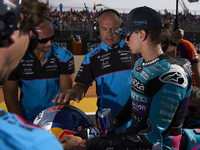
(74, 20)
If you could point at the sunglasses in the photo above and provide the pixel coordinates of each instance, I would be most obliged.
(193, 108)
(34, 40)
(127, 36)
(42, 40)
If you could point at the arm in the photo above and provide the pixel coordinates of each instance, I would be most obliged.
(196, 69)
(10, 89)
(77, 92)
(175, 38)
(66, 82)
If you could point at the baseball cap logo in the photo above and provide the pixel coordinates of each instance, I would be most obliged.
(139, 22)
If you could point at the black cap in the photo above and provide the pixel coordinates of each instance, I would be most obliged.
(141, 17)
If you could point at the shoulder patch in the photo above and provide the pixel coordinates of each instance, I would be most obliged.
(175, 76)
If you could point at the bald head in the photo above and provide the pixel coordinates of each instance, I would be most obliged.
(109, 21)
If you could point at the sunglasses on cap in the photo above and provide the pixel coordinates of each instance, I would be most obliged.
(128, 34)
(193, 108)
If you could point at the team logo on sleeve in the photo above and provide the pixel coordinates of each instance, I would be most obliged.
(175, 76)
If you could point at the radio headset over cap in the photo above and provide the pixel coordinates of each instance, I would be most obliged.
(9, 19)
(141, 18)
(96, 24)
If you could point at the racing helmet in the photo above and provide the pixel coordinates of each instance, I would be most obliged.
(63, 119)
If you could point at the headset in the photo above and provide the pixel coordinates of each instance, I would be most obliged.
(9, 19)
(96, 24)
(56, 27)
(37, 39)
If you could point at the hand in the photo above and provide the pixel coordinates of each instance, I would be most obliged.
(71, 142)
(66, 96)
(177, 35)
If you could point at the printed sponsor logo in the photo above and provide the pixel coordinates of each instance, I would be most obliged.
(168, 106)
(175, 76)
(124, 58)
(138, 97)
(124, 54)
(136, 84)
(51, 66)
(105, 65)
(138, 68)
(124, 51)
(136, 118)
(150, 62)
(191, 136)
(104, 59)
(140, 22)
(105, 55)
(164, 119)
(26, 61)
(91, 46)
(144, 75)
(162, 112)
(63, 45)
(138, 106)
(172, 99)
(27, 65)
(28, 71)
(166, 91)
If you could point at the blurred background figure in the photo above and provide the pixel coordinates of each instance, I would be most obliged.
(193, 37)
(184, 49)
(192, 119)
(61, 6)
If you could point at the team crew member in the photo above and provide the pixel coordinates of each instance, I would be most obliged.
(184, 49)
(112, 61)
(160, 91)
(42, 74)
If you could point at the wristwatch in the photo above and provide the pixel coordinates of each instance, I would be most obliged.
(174, 44)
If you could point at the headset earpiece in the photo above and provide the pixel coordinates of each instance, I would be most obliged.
(56, 27)
(96, 27)
(96, 24)
(9, 19)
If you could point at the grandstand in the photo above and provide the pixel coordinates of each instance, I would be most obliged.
(74, 22)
